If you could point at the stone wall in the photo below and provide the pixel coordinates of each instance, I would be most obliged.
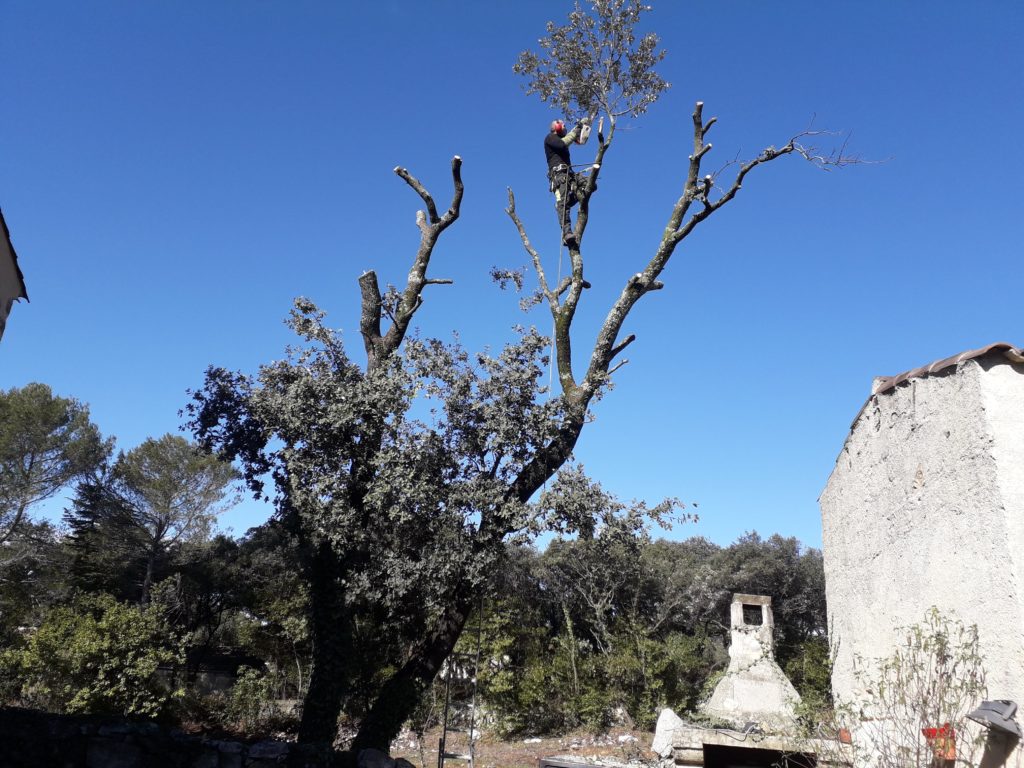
(30, 739)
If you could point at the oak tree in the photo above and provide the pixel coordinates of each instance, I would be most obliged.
(404, 478)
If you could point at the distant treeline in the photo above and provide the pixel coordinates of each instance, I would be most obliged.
(133, 605)
(586, 633)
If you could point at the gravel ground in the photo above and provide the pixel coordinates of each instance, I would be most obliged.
(616, 746)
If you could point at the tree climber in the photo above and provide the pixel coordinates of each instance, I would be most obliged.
(564, 182)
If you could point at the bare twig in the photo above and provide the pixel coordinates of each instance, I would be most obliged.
(413, 182)
(538, 267)
(623, 344)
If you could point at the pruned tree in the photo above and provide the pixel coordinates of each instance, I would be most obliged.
(403, 513)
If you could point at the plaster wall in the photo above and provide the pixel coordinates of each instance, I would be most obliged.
(1003, 399)
(925, 507)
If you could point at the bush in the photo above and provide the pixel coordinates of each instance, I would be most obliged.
(99, 656)
(918, 698)
(250, 703)
(810, 671)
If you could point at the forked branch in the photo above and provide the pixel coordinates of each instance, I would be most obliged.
(379, 347)
(682, 221)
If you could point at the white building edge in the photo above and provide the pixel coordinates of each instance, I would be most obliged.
(925, 507)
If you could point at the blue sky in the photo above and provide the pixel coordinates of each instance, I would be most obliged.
(173, 174)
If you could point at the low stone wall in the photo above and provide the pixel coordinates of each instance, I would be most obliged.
(30, 739)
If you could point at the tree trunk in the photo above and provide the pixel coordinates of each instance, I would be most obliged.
(147, 582)
(402, 693)
(329, 678)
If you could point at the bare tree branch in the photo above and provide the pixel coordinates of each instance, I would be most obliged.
(578, 395)
(538, 267)
(618, 365)
(413, 182)
(707, 126)
(623, 344)
(410, 300)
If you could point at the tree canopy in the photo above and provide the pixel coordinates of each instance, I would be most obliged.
(125, 523)
(46, 442)
(594, 63)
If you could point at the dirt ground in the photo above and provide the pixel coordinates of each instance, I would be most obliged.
(618, 745)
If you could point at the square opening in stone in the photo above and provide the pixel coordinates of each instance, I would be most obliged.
(720, 756)
(752, 615)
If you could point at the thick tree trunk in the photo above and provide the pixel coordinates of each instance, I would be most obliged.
(329, 677)
(402, 693)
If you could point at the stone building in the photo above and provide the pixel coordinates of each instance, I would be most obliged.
(925, 507)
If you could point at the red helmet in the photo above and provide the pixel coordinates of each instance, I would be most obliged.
(557, 126)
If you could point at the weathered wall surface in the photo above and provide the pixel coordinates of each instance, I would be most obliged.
(1003, 395)
(925, 507)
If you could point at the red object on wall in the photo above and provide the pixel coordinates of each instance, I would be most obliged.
(942, 740)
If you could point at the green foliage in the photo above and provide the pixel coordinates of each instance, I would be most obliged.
(128, 525)
(107, 546)
(399, 537)
(275, 623)
(611, 625)
(32, 578)
(45, 443)
(98, 655)
(251, 700)
(595, 63)
(810, 671)
(173, 489)
(400, 518)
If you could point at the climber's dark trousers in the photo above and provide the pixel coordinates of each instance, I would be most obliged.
(565, 198)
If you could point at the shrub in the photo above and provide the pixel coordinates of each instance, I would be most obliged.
(97, 655)
(919, 697)
(250, 703)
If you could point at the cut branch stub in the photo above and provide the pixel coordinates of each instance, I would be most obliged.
(369, 319)
(378, 346)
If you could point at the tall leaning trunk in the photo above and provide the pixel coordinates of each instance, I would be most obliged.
(403, 692)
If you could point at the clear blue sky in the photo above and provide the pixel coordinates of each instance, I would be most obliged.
(173, 174)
